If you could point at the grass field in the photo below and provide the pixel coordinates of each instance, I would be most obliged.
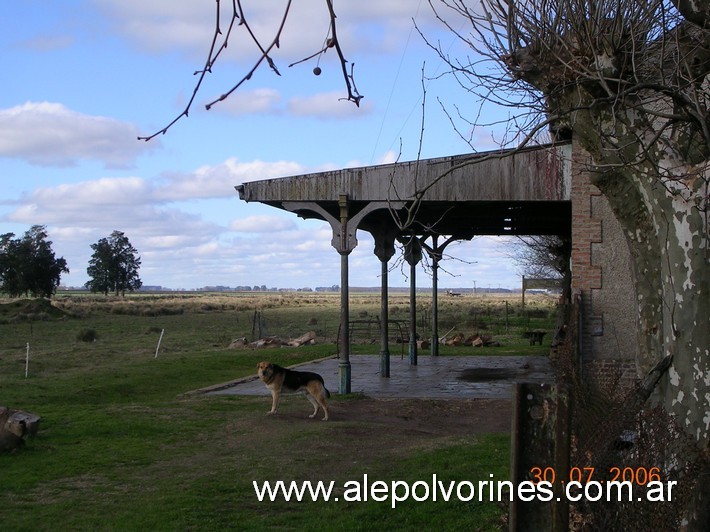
(120, 447)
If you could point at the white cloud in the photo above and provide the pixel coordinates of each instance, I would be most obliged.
(327, 105)
(50, 134)
(388, 157)
(103, 191)
(95, 208)
(177, 248)
(131, 199)
(165, 25)
(374, 26)
(219, 180)
(162, 25)
(262, 224)
(91, 202)
(244, 102)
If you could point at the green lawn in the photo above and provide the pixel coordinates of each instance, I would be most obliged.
(120, 448)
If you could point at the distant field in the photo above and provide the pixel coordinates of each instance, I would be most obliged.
(290, 314)
(120, 448)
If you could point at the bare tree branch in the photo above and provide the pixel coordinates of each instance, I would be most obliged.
(218, 46)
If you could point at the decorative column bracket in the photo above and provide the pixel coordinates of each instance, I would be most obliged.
(344, 241)
(344, 244)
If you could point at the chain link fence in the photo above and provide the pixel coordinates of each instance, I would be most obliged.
(616, 434)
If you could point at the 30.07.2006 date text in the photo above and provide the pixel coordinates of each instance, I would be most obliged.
(635, 475)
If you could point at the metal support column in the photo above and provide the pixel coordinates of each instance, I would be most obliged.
(384, 250)
(435, 297)
(384, 324)
(413, 254)
(344, 365)
(436, 252)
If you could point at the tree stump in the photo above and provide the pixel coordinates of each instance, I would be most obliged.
(15, 426)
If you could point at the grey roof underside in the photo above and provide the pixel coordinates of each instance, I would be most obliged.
(504, 192)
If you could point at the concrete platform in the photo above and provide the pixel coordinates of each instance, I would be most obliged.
(442, 377)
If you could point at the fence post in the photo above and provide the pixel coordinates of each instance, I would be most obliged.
(539, 451)
(159, 340)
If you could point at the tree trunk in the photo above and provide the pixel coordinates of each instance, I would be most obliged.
(667, 237)
(668, 244)
(634, 94)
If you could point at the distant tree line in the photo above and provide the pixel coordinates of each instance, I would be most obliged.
(264, 288)
(114, 266)
(29, 266)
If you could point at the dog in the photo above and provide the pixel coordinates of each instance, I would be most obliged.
(281, 380)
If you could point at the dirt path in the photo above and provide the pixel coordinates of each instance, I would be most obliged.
(425, 418)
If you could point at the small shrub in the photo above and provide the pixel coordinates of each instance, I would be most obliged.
(87, 335)
(223, 339)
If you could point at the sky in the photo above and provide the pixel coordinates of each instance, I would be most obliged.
(83, 79)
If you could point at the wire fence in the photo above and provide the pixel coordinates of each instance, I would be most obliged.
(616, 434)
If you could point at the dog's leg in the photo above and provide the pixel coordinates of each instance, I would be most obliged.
(275, 396)
(325, 409)
(321, 401)
(318, 399)
(314, 403)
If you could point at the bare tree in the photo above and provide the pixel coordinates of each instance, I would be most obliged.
(235, 18)
(546, 257)
(630, 81)
(543, 256)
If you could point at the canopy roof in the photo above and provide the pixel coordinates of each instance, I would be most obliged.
(517, 192)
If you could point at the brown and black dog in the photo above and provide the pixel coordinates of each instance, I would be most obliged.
(282, 380)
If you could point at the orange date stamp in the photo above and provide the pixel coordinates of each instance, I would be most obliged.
(583, 475)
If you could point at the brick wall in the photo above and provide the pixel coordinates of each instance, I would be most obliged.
(611, 376)
(586, 231)
(601, 275)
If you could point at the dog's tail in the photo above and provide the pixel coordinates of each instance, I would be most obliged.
(327, 393)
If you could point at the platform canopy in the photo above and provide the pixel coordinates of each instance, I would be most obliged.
(509, 192)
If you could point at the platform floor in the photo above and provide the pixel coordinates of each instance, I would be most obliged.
(473, 377)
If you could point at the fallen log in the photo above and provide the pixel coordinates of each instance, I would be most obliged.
(308, 338)
(238, 343)
(457, 339)
(474, 341)
(266, 342)
(423, 344)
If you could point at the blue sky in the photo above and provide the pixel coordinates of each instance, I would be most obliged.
(83, 79)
